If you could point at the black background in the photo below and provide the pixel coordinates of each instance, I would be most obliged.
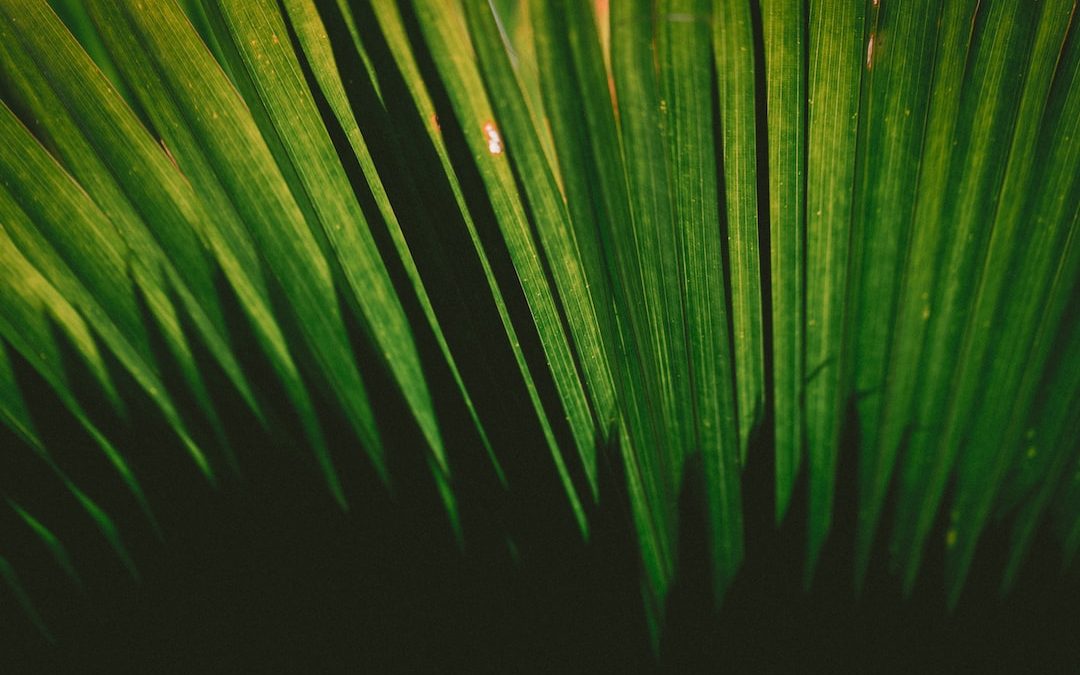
(267, 572)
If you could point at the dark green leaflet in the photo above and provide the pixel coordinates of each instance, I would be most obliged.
(897, 95)
(986, 119)
(917, 273)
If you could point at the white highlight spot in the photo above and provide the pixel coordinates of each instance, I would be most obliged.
(494, 140)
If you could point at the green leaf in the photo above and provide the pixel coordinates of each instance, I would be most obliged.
(785, 106)
(30, 309)
(896, 99)
(390, 22)
(685, 36)
(188, 97)
(663, 327)
(13, 410)
(1009, 335)
(73, 14)
(987, 114)
(88, 265)
(552, 224)
(55, 546)
(578, 102)
(167, 198)
(17, 589)
(452, 51)
(918, 274)
(304, 151)
(838, 56)
(154, 272)
(515, 24)
(736, 72)
(564, 48)
(912, 168)
(320, 58)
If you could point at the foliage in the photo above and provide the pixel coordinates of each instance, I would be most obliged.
(689, 224)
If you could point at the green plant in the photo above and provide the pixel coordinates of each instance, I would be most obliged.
(711, 216)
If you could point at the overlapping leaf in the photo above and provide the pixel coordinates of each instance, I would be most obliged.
(713, 213)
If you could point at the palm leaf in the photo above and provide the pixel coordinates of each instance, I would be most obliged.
(670, 221)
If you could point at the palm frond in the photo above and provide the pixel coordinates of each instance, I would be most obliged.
(707, 236)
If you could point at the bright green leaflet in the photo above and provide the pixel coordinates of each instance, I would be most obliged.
(318, 182)
(155, 272)
(733, 43)
(663, 327)
(551, 220)
(391, 24)
(320, 58)
(191, 98)
(158, 187)
(85, 266)
(579, 106)
(451, 49)
(685, 36)
(785, 106)
(837, 59)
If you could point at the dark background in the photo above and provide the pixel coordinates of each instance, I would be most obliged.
(269, 573)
